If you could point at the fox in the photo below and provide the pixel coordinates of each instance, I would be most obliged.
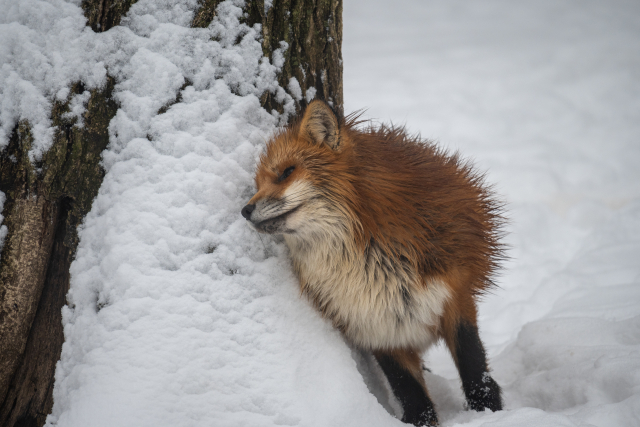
(392, 239)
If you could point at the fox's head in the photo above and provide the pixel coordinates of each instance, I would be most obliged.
(303, 178)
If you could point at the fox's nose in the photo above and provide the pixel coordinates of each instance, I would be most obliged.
(246, 211)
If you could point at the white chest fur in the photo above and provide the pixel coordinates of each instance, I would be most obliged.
(377, 304)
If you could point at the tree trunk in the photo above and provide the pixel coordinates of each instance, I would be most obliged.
(47, 201)
(312, 30)
(42, 211)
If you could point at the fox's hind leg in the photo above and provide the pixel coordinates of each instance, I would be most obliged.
(461, 335)
(403, 369)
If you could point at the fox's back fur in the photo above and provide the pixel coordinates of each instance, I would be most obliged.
(391, 237)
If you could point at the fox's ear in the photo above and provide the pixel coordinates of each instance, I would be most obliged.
(320, 124)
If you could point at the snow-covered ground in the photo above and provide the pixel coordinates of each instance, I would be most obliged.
(545, 96)
(180, 315)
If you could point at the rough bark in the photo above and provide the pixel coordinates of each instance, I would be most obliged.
(42, 212)
(30, 398)
(312, 30)
(24, 261)
(45, 202)
(104, 14)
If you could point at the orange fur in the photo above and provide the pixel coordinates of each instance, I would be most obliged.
(415, 200)
(392, 238)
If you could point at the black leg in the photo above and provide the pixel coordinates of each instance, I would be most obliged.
(480, 389)
(418, 409)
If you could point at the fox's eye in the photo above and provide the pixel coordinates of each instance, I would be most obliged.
(286, 173)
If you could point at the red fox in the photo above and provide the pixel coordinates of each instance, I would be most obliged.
(392, 239)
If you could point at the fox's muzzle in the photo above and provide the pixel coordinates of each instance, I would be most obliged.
(247, 211)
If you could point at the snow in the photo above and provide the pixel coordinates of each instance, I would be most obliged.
(310, 94)
(3, 228)
(44, 47)
(294, 89)
(267, 6)
(180, 315)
